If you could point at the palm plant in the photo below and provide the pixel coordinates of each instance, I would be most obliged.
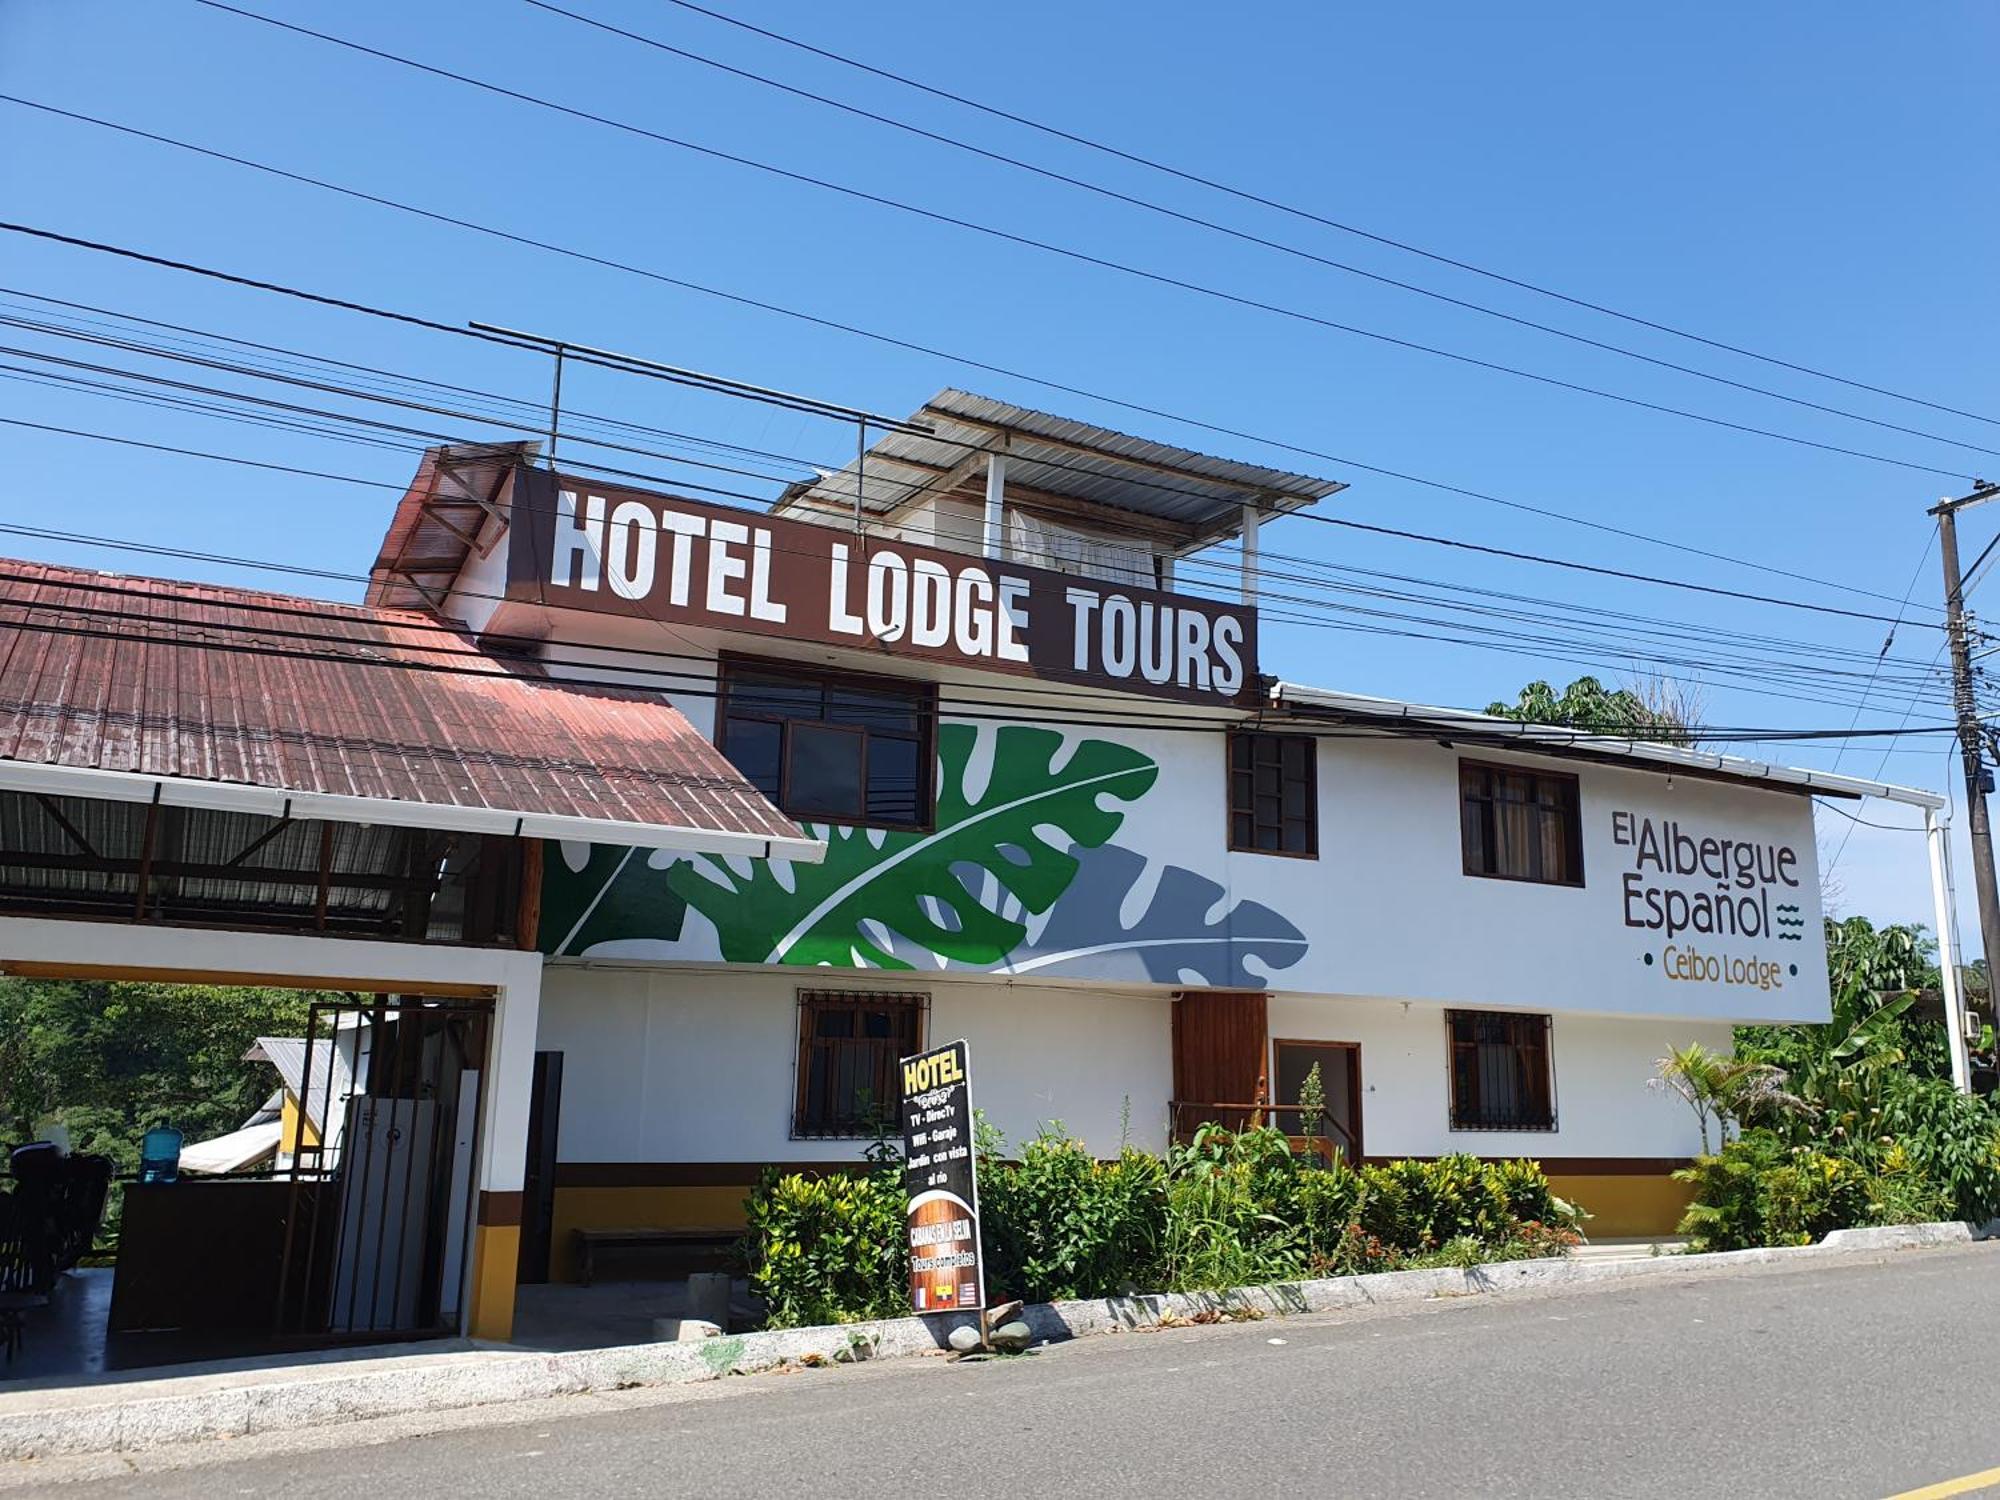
(1727, 1091)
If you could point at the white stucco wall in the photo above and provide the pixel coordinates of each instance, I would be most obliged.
(673, 1065)
(1604, 1107)
(680, 1066)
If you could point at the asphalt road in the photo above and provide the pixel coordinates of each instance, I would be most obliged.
(1864, 1380)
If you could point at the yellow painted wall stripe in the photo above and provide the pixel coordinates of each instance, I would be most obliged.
(1969, 1484)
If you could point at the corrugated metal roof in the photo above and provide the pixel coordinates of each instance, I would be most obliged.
(456, 487)
(173, 697)
(1064, 458)
(1554, 739)
(288, 1055)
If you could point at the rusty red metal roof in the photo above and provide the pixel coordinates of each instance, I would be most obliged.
(193, 694)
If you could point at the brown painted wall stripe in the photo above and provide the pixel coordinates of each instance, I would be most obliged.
(499, 1209)
(609, 1174)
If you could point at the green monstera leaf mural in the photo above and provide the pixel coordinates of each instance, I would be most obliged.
(874, 888)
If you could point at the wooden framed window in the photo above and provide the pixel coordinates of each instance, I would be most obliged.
(850, 1044)
(830, 746)
(1502, 1070)
(1520, 825)
(1274, 794)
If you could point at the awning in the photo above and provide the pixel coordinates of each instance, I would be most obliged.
(232, 1152)
(191, 695)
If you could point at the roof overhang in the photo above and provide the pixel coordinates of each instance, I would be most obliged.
(1091, 475)
(222, 796)
(1464, 725)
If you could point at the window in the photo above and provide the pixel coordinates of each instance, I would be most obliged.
(1501, 1075)
(830, 746)
(850, 1046)
(1520, 825)
(1274, 794)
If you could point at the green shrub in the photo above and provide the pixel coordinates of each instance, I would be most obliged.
(1058, 1223)
(830, 1249)
(1759, 1191)
(1225, 1209)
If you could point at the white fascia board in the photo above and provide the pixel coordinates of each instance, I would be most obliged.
(272, 802)
(1554, 737)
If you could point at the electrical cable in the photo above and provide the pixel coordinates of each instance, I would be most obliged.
(1235, 233)
(1067, 252)
(1441, 486)
(1309, 216)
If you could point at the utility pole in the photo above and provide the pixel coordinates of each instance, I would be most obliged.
(1971, 753)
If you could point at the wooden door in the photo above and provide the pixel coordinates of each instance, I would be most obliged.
(1219, 1059)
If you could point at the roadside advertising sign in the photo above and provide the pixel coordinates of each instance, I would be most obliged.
(941, 1181)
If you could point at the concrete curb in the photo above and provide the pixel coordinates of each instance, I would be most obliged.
(132, 1415)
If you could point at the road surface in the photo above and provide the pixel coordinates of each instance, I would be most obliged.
(1868, 1380)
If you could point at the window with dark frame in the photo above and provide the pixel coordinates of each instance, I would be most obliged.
(1520, 825)
(1274, 794)
(1502, 1073)
(850, 1048)
(831, 746)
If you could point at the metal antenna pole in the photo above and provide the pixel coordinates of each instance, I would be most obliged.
(1971, 755)
(860, 468)
(555, 408)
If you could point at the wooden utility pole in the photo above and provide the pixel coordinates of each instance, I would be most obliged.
(1971, 753)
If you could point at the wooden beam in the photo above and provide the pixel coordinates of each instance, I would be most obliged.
(22, 859)
(528, 916)
(142, 973)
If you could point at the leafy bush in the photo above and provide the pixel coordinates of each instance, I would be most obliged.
(1058, 1223)
(829, 1249)
(1759, 1191)
(1875, 1133)
(1224, 1209)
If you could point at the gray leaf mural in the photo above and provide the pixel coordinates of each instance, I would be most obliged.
(1179, 938)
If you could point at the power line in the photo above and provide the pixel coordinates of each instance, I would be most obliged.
(1648, 648)
(888, 340)
(496, 668)
(449, 329)
(200, 340)
(1309, 216)
(1233, 232)
(1067, 252)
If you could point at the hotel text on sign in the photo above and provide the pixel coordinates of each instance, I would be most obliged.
(576, 544)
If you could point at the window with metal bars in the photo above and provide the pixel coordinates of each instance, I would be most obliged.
(850, 1045)
(1274, 794)
(1520, 825)
(1502, 1070)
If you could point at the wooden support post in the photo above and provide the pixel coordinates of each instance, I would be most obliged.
(528, 914)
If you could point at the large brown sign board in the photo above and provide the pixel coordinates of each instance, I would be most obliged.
(578, 544)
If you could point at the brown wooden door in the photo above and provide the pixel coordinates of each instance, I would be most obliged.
(1219, 1059)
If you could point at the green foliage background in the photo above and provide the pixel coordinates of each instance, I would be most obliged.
(1878, 1134)
(109, 1061)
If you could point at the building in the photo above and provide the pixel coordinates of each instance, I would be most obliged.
(955, 742)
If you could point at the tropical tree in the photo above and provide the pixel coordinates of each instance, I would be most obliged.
(1657, 710)
(1729, 1091)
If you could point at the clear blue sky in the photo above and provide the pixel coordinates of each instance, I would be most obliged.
(1809, 181)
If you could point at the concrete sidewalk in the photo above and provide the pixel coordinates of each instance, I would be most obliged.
(114, 1414)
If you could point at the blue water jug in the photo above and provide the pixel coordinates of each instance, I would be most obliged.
(160, 1155)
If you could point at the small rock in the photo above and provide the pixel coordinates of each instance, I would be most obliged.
(683, 1330)
(964, 1338)
(1013, 1337)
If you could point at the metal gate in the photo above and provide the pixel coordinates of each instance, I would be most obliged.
(381, 1160)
